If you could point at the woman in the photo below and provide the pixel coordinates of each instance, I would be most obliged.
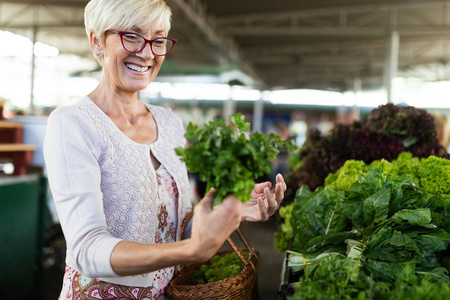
(120, 191)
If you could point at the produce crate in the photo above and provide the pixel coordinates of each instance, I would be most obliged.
(287, 279)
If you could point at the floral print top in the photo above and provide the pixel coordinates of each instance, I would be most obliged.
(79, 287)
(167, 207)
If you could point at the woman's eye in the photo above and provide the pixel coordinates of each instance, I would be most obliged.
(159, 42)
(131, 37)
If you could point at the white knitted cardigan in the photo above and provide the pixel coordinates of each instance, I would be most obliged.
(104, 184)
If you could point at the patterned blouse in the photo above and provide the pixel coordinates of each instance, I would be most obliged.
(77, 286)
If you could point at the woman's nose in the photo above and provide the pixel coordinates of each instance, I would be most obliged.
(146, 53)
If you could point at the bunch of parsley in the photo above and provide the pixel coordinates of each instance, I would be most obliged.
(227, 158)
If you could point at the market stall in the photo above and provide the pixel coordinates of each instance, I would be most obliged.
(22, 229)
(373, 221)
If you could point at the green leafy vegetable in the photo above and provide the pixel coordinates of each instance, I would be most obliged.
(333, 277)
(228, 159)
(318, 214)
(374, 231)
(219, 268)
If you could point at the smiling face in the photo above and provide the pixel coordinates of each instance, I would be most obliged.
(130, 72)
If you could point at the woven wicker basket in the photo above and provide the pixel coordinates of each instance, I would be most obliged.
(242, 286)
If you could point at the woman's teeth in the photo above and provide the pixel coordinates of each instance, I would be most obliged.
(136, 68)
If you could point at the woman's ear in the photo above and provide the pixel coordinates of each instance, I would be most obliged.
(95, 44)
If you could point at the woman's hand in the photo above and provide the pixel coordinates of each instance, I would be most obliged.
(212, 225)
(264, 202)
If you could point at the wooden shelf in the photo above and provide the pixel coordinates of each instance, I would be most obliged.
(11, 132)
(8, 124)
(16, 147)
(21, 156)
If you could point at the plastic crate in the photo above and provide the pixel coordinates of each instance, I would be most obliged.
(287, 279)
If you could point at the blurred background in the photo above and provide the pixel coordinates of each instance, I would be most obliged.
(289, 66)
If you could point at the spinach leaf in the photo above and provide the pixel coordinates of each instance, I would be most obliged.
(318, 214)
(419, 216)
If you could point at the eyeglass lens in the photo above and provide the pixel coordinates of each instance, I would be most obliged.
(134, 43)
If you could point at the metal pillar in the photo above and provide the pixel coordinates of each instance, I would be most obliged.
(34, 32)
(357, 87)
(33, 56)
(229, 106)
(391, 65)
(258, 113)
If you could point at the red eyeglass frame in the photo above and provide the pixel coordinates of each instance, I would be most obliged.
(122, 33)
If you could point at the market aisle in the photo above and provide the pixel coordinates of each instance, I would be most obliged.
(260, 237)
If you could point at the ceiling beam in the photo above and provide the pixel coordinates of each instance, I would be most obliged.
(314, 47)
(68, 3)
(335, 31)
(194, 10)
(322, 11)
(340, 71)
(66, 25)
(341, 60)
(24, 16)
(316, 60)
(337, 79)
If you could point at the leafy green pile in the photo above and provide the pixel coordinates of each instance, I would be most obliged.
(283, 237)
(219, 268)
(378, 231)
(432, 173)
(387, 131)
(335, 278)
(228, 159)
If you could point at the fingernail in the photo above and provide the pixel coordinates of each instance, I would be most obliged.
(267, 190)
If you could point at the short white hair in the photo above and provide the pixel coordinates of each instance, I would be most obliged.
(101, 15)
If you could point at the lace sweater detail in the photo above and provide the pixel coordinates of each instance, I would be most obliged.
(128, 182)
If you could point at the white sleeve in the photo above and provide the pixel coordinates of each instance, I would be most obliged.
(71, 158)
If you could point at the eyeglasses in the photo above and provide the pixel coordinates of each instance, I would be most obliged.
(134, 43)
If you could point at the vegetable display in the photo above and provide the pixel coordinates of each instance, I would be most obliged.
(374, 231)
(387, 131)
(229, 158)
(219, 268)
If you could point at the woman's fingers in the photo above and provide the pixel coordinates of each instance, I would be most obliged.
(279, 193)
(263, 210)
(280, 188)
(272, 204)
(280, 179)
(258, 190)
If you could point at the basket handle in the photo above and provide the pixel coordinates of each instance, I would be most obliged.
(235, 248)
(185, 223)
(244, 260)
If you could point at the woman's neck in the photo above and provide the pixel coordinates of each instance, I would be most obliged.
(131, 116)
(117, 105)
